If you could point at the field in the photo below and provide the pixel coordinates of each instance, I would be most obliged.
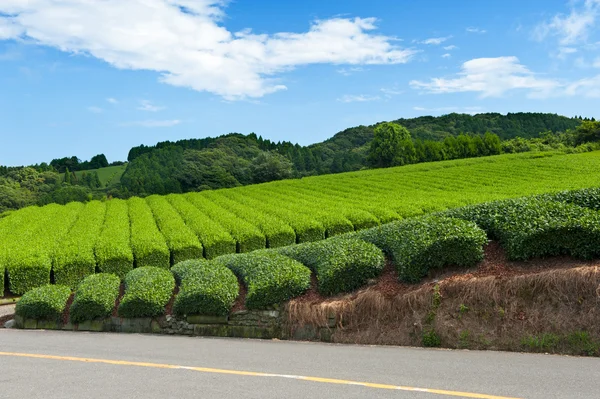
(73, 241)
(108, 176)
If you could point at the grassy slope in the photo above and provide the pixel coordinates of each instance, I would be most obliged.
(109, 176)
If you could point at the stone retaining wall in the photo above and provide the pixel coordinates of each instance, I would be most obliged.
(265, 324)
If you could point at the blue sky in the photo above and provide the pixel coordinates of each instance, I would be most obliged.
(86, 77)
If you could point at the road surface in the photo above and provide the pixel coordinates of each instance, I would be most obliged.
(57, 364)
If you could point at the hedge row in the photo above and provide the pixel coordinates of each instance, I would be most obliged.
(29, 258)
(306, 228)
(207, 288)
(95, 297)
(47, 302)
(147, 291)
(181, 241)
(149, 246)
(214, 238)
(113, 247)
(535, 227)
(270, 278)
(74, 258)
(180, 269)
(248, 236)
(431, 242)
(587, 197)
(340, 265)
(277, 233)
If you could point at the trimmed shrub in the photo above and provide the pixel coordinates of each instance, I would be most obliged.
(431, 242)
(74, 258)
(182, 241)
(247, 236)
(29, 257)
(341, 265)
(182, 268)
(270, 278)
(147, 292)
(208, 290)
(95, 297)
(534, 227)
(587, 197)
(214, 238)
(113, 247)
(47, 302)
(277, 232)
(149, 246)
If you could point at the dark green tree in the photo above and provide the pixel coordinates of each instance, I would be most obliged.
(388, 143)
(588, 131)
(269, 166)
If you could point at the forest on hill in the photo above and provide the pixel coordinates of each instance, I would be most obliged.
(235, 159)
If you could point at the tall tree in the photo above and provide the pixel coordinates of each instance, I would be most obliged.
(388, 143)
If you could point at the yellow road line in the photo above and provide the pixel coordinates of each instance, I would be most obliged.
(256, 374)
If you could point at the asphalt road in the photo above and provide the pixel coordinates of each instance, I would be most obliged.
(55, 364)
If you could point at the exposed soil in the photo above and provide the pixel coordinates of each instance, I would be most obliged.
(169, 307)
(65, 315)
(115, 312)
(240, 301)
(312, 295)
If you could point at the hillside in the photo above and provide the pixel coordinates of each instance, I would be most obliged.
(115, 235)
(109, 176)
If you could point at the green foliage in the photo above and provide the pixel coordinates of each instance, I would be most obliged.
(391, 146)
(588, 131)
(534, 227)
(148, 244)
(420, 244)
(271, 278)
(270, 166)
(46, 302)
(113, 246)
(181, 240)
(546, 342)
(247, 236)
(180, 269)
(587, 197)
(341, 265)
(74, 258)
(147, 292)
(208, 289)
(214, 238)
(431, 339)
(95, 297)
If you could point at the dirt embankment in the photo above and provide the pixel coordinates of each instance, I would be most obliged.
(543, 305)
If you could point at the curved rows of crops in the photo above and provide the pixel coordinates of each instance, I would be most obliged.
(66, 243)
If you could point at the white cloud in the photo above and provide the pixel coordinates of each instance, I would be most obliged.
(491, 77)
(563, 52)
(349, 71)
(450, 47)
(146, 105)
(185, 42)
(447, 55)
(573, 28)
(350, 98)
(596, 63)
(95, 110)
(112, 100)
(389, 92)
(475, 30)
(154, 123)
(436, 40)
(587, 87)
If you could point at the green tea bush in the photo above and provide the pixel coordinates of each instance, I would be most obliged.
(147, 292)
(277, 232)
(113, 247)
(214, 238)
(248, 236)
(95, 297)
(182, 268)
(208, 290)
(181, 241)
(149, 246)
(420, 244)
(587, 197)
(535, 227)
(74, 258)
(341, 265)
(271, 278)
(47, 302)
